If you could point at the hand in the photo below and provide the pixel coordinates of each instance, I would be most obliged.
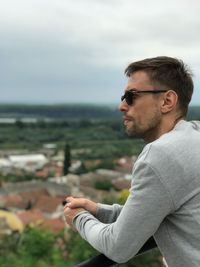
(70, 214)
(80, 202)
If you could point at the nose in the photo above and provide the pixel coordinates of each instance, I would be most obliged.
(123, 106)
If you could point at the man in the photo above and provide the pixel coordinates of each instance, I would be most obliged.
(164, 200)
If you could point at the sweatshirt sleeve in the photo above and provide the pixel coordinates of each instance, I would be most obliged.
(108, 213)
(147, 205)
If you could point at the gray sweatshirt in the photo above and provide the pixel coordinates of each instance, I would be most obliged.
(164, 201)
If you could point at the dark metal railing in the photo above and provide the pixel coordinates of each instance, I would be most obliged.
(101, 260)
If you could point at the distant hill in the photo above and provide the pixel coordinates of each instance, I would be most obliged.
(64, 112)
(194, 113)
(71, 112)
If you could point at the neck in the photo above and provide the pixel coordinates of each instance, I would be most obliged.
(166, 125)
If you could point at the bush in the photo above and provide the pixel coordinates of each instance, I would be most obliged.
(79, 250)
(35, 248)
(103, 185)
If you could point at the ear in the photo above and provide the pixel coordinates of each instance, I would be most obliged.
(169, 101)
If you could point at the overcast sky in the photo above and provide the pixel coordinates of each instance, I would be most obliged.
(75, 51)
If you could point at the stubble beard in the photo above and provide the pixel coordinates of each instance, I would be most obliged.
(145, 131)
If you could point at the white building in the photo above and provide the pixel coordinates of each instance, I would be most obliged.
(28, 162)
(5, 166)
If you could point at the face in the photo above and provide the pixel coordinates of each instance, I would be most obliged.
(143, 118)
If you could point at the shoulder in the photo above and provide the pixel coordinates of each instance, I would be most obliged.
(168, 148)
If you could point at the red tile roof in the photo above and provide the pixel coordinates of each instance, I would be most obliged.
(12, 200)
(31, 216)
(55, 225)
(47, 203)
(31, 197)
(36, 217)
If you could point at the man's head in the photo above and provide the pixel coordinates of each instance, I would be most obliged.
(167, 73)
(157, 95)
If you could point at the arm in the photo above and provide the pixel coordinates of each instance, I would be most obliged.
(104, 213)
(146, 207)
(101, 260)
(108, 213)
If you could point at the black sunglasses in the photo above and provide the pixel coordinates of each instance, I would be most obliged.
(131, 95)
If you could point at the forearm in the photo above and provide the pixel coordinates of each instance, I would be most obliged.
(101, 260)
(107, 239)
(114, 241)
(108, 213)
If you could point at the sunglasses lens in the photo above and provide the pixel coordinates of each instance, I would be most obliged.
(129, 98)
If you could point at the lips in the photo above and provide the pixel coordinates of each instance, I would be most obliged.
(127, 119)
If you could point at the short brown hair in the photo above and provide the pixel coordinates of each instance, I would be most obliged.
(169, 73)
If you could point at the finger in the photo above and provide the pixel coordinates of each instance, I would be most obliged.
(67, 200)
(74, 202)
(66, 210)
(64, 202)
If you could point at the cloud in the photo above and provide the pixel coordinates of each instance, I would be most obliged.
(84, 45)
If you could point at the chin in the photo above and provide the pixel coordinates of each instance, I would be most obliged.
(131, 133)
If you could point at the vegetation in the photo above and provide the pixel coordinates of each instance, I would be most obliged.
(67, 112)
(67, 159)
(19, 178)
(35, 248)
(93, 133)
(103, 140)
(38, 247)
(41, 248)
(78, 249)
(103, 185)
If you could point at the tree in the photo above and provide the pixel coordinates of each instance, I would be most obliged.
(37, 246)
(19, 124)
(67, 159)
(78, 249)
